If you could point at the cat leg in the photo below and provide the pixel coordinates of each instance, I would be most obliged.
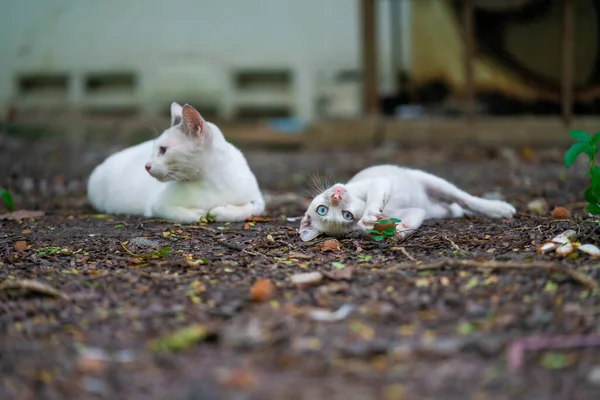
(443, 189)
(444, 210)
(410, 220)
(230, 213)
(377, 195)
(178, 214)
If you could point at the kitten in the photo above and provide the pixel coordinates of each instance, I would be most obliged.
(392, 192)
(186, 173)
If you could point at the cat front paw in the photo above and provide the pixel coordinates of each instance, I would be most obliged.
(501, 209)
(368, 220)
(229, 213)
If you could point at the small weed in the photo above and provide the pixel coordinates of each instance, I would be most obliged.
(379, 234)
(7, 198)
(589, 146)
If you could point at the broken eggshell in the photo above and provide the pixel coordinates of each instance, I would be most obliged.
(590, 249)
(546, 247)
(565, 249)
(564, 237)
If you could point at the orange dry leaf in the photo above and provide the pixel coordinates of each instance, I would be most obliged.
(262, 291)
(560, 213)
(21, 245)
(259, 219)
(246, 226)
(330, 245)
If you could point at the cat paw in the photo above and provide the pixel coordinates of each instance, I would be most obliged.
(228, 213)
(500, 209)
(404, 230)
(368, 220)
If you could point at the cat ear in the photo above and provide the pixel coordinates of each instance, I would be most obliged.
(192, 122)
(307, 231)
(175, 113)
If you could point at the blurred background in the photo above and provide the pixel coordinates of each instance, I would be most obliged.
(287, 75)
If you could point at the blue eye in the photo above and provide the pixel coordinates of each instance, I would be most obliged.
(348, 215)
(322, 210)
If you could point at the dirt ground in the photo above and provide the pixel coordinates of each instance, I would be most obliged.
(462, 309)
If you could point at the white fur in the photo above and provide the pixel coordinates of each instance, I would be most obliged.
(394, 192)
(200, 173)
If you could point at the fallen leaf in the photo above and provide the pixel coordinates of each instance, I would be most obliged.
(262, 290)
(259, 219)
(337, 265)
(306, 278)
(236, 379)
(299, 256)
(331, 245)
(246, 226)
(339, 274)
(25, 231)
(326, 315)
(21, 214)
(21, 245)
(181, 339)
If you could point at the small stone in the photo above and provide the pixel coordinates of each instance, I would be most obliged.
(306, 278)
(590, 249)
(594, 375)
(565, 237)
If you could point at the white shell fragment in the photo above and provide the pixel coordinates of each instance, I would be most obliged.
(546, 247)
(326, 315)
(565, 249)
(590, 249)
(565, 237)
(306, 278)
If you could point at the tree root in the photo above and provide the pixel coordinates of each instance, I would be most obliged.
(34, 286)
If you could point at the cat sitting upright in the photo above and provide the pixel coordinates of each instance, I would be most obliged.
(186, 173)
(392, 192)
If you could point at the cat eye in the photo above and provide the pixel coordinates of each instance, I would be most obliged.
(322, 210)
(162, 150)
(347, 215)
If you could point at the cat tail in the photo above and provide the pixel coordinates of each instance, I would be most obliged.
(444, 190)
(238, 213)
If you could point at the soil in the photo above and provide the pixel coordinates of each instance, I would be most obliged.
(427, 318)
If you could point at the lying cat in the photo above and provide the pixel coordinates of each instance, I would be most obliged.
(186, 173)
(392, 192)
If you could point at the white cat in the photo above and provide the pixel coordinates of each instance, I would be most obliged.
(392, 192)
(186, 173)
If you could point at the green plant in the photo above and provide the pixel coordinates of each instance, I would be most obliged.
(379, 234)
(589, 146)
(7, 198)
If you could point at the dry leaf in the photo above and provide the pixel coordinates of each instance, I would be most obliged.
(299, 256)
(331, 245)
(259, 219)
(339, 274)
(246, 227)
(21, 245)
(21, 214)
(262, 290)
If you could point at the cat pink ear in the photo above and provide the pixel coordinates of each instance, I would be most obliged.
(307, 231)
(175, 114)
(192, 122)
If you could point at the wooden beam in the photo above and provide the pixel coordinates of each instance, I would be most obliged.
(567, 61)
(369, 56)
(468, 21)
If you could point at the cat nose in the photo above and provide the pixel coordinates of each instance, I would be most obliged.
(336, 196)
(148, 166)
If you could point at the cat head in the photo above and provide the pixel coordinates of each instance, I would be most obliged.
(177, 151)
(334, 212)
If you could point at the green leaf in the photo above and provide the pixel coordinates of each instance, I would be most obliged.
(591, 196)
(579, 135)
(384, 221)
(595, 138)
(5, 195)
(395, 220)
(390, 231)
(466, 327)
(378, 238)
(574, 152)
(373, 231)
(594, 208)
(554, 361)
(181, 339)
(337, 265)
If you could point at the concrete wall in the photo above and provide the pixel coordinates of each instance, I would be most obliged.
(180, 49)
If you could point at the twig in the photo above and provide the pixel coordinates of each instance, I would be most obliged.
(517, 348)
(454, 245)
(33, 286)
(403, 251)
(577, 276)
